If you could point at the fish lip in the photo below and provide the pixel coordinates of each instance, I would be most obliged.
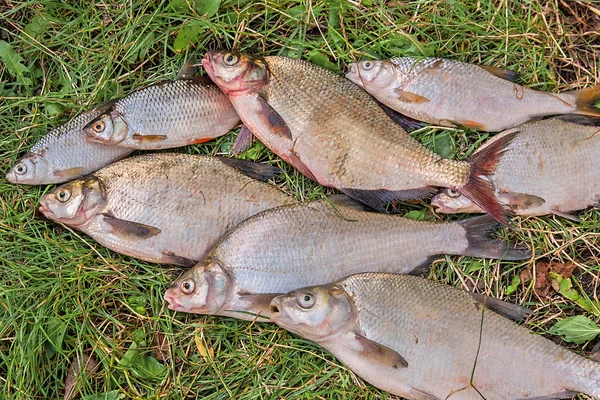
(353, 74)
(207, 63)
(173, 304)
(44, 208)
(276, 304)
(11, 176)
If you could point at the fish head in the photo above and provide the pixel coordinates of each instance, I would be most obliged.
(108, 128)
(32, 169)
(236, 73)
(449, 201)
(376, 73)
(317, 313)
(203, 289)
(76, 202)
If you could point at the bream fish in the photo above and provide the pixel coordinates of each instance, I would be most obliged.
(453, 93)
(164, 115)
(165, 208)
(319, 242)
(65, 154)
(337, 134)
(550, 167)
(422, 340)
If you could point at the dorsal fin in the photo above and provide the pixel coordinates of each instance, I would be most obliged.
(506, 74)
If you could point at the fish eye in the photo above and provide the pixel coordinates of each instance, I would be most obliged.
(452, 193)
(306, 300)
(230, 59)
(20, 169)
(63, 195)
(367, 65)
(187, 286)
(98, 126)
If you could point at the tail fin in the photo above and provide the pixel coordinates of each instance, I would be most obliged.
(479, 189)
(481, 244)
(586, 100)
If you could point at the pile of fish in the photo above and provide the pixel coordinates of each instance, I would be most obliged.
(337, 271)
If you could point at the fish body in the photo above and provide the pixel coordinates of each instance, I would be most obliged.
(337, 134)
(166, 208)
(65, 154)
(453, 93)
(550, 167)
(168, 114)
(423, 340)
(318, 242)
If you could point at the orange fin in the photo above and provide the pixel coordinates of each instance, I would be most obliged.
(198, 141)
(479, 189)
(148, 138)
(243, 142)
(70, 173)
(272, 119)
(409, 97)
(468, 124)
(506, 74)
(586, 100)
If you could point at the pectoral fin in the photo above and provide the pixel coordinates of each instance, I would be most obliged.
(172, 258)
(258, 304)
(506, 74)
(272, 120)
(130, 229)
(421, 395)
(409, 97)
(379, 354)
(70, 173)
(188, 69)
(243, 142)
(148, 138)
(521, 201)
(508, 310)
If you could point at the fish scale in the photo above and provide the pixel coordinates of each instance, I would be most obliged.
(193, 200)
(436, 322)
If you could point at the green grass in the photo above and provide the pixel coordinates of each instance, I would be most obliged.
(62, 295)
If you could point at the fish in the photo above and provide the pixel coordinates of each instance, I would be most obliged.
(423, 340)
(319, 242)
(336, 134)
(164, 208)
(550, 167)
(64, 154)
(453, 93)
(165, 115)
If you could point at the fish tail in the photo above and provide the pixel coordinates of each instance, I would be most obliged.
(478, 188)
(481, 244)
(586, 99)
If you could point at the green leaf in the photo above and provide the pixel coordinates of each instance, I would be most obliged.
(178, 5)
(112, 395)
(52, 109)
(36, 26)
(416, 214)
(12, 60)
(321, 59)
(55, 333)
(207, 7)
(565, 288)
(188, 33)
(142, 366)
(576, 329)
(444, 145)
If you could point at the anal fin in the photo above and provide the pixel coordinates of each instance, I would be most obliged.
(566, 215)
(260, 171)
(130, 229)
(407, 123)
(377, 199)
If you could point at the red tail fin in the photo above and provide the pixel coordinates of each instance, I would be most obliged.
(479, 189)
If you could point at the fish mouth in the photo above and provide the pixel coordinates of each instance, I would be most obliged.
(207, 63)
(173, 304)
(44, 209)
(353, 74)
(277, 310)
(11, 176)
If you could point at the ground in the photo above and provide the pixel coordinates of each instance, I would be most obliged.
(62, 296)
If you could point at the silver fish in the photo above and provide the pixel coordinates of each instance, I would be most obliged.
(164, 115)
(550, 167)
(65, 154)
(426, 341)
(453, 93)
(167, 208)
(319, 242)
